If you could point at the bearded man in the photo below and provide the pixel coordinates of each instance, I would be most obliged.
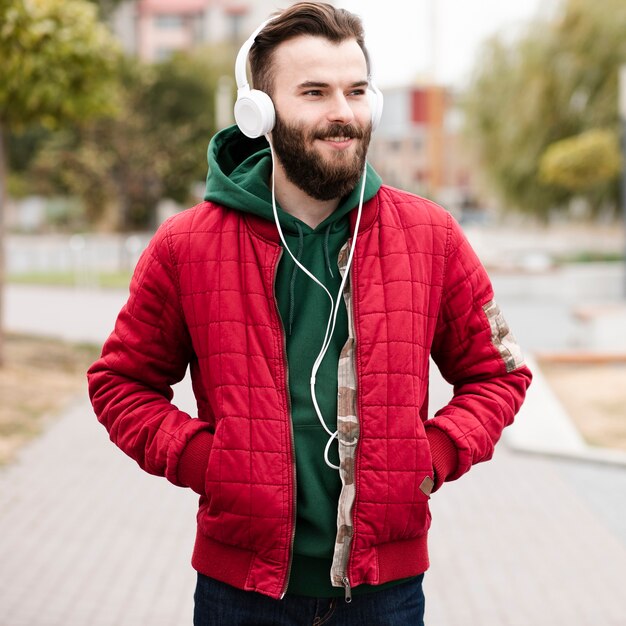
(307, 298)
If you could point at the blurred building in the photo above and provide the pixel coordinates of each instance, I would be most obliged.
(154, 29)
(418, 146)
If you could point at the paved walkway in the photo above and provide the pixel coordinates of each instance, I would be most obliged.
(87, 539)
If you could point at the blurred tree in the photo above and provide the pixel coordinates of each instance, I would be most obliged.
(56, 65)
(582, 162)
(108, 162)
(181, 112)
(24, 144)
(556, 82)
(153, 147)
(106, 7)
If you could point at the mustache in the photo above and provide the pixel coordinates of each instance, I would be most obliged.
(340, 130)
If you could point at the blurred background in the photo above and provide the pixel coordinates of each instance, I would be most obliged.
(511, 115)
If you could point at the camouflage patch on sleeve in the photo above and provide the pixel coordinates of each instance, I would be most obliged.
(502, 337)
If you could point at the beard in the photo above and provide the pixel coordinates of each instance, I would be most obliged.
(321, 177)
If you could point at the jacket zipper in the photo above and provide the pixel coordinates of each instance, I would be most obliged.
(293, 456)
(348, 594)
(345, 580)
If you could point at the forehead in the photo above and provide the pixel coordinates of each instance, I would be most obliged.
(308, 58)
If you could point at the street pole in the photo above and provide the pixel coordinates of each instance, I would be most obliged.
(622, 124)
(3, 209)
(224, 102)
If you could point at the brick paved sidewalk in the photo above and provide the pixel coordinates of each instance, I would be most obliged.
(522, 541)
(87, 539)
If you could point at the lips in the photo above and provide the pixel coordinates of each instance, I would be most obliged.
(340, 134)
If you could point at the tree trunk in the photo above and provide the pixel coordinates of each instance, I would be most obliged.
(3, 204)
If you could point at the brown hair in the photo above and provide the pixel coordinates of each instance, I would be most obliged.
(303, 18)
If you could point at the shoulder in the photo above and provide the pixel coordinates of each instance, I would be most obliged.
(199, 223)
(412, 208)
(191, 229)
(417, 217)
(203, 217)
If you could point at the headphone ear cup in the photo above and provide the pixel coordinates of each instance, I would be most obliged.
(375, 98)
(254, 113)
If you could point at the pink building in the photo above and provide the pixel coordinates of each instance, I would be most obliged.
(154, 29)
(164, 26)
(419, 146)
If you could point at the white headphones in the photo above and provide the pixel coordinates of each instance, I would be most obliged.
(254, 109)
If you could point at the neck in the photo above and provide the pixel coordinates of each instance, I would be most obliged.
(300, 204)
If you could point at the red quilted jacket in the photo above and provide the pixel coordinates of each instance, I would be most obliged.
(202, 295)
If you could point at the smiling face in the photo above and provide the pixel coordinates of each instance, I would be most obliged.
(323, 119)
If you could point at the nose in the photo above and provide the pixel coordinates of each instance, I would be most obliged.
(340, 110)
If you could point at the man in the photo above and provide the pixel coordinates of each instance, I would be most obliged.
(292, 385)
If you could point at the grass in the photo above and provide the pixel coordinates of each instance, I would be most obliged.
(591, 256)
(39, 378)
(109, 280)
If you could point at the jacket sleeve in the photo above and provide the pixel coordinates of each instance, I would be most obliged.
(130, 386)
(476, 353)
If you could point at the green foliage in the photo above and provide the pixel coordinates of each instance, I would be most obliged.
(181, 114)
(579, 163)
(559, 80)
(57, 61)
(125, 134)
(153, 147)
(106, 7)
(23, 146)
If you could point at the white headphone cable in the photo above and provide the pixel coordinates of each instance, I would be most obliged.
(334, 312)
(334, 306)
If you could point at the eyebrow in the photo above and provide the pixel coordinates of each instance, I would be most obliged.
(312, 84)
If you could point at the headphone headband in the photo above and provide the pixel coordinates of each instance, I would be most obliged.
(254, 110)
(241, 76)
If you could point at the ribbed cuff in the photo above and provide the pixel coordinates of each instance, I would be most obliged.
(444, 455)
(194, 460)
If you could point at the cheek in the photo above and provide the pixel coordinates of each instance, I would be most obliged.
(363, 114)
(294, 112)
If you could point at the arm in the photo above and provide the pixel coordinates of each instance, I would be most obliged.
(477, 354)
(131, 384)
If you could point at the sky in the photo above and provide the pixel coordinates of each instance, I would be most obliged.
(412, 39)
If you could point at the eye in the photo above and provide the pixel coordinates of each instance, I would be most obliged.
(312, 92)
(358, 92)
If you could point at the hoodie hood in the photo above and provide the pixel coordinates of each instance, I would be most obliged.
(239, 178)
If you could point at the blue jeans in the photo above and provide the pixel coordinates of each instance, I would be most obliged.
(218, 604)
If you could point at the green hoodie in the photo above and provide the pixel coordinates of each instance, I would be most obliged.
(239, 175)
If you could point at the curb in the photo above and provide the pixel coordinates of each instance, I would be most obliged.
(544, 427)
(592, 455)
